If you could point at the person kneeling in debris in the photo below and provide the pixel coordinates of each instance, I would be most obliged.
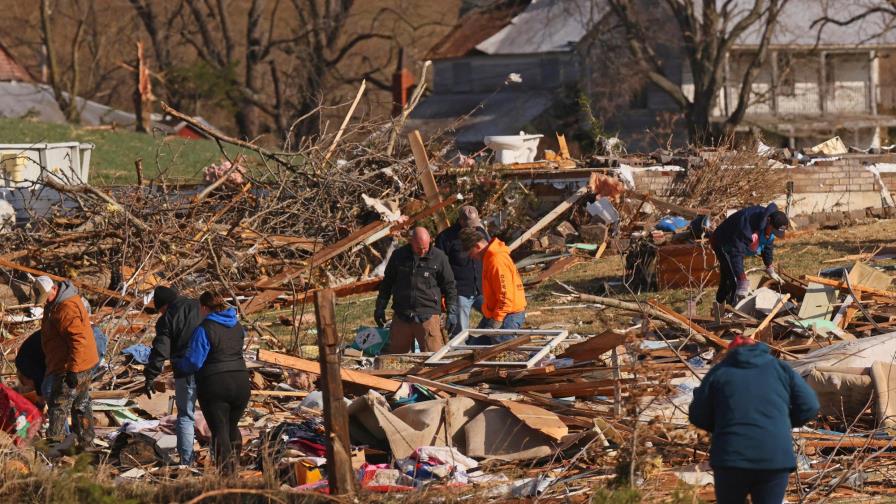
(417, 277)
(504, 300)
(748, 232)
(750, 402)
(215, 357)
(467, 271)
(70, 348)
(179, 317)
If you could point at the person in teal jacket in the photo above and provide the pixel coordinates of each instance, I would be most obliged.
(750, 402)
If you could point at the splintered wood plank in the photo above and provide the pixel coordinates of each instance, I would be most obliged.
(557, 267)
(594, 347)
(308, 366)
(537, 418)
(339, 459)
(424, 173)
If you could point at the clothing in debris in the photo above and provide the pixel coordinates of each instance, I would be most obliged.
(66, 334)
(19, 417)
(32, 364)
(467, 273)
(215, 356)
(742, 234)
(749, 402)
(70, 393)
(502, 285)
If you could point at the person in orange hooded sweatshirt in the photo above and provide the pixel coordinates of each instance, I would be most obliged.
(71, 354)
(504, 300)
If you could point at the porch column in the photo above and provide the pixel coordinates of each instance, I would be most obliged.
(822, 82)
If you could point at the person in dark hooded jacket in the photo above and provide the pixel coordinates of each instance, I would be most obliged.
(750, 402)
(748, 232)
(179, 317)
(215, 357)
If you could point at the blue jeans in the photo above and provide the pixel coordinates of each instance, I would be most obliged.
(465, 307)
(511, 321)
(763, 487)
(185, 399)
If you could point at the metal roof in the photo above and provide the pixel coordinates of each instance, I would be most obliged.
(545, 26)
(502, 113)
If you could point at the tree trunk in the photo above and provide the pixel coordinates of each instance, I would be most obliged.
(66, 104)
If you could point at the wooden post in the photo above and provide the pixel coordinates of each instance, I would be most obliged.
(339, 461)
(424, 173)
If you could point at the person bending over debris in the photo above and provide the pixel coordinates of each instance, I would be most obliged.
(179, 318)
(71, 355)
(467, 271)
(215, 356)
(417, 277)
(749, 231)
(750, 402)
(504, 300)
(31, 363)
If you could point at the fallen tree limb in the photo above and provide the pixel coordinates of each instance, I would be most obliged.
(89, 189)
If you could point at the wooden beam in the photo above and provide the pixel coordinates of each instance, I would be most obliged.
(271, 393)
(445, 387)
(427, 179)
(771, 315)
(550, 217)
(77, 283)
(842, 285)
(710, 336)
(340, 475)
(308, 366)
(471, 359)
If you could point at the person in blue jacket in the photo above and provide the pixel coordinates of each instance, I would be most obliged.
(750, 402)
(215, 357)
(748, 232)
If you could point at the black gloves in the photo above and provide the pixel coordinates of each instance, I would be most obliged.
(379, 314)
(452, 322)
(149, 387)
(71, 379)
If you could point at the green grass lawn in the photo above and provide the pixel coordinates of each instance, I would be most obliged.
(112, 161)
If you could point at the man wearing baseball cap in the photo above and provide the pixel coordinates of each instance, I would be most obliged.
(71, 355)
(467, 271)
(748, 232)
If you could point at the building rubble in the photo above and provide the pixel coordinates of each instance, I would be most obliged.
(548, 413)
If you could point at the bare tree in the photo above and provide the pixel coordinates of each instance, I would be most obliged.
(65, 90)
(704, 33)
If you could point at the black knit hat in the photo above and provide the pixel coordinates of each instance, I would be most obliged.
(162, 296)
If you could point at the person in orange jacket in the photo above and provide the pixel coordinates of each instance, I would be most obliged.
(504, 300)
(70, 349)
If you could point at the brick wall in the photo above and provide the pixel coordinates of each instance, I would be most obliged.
(832, 177)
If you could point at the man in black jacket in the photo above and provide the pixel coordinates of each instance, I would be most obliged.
(417, 277)
(467, 271)
(179, 317)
